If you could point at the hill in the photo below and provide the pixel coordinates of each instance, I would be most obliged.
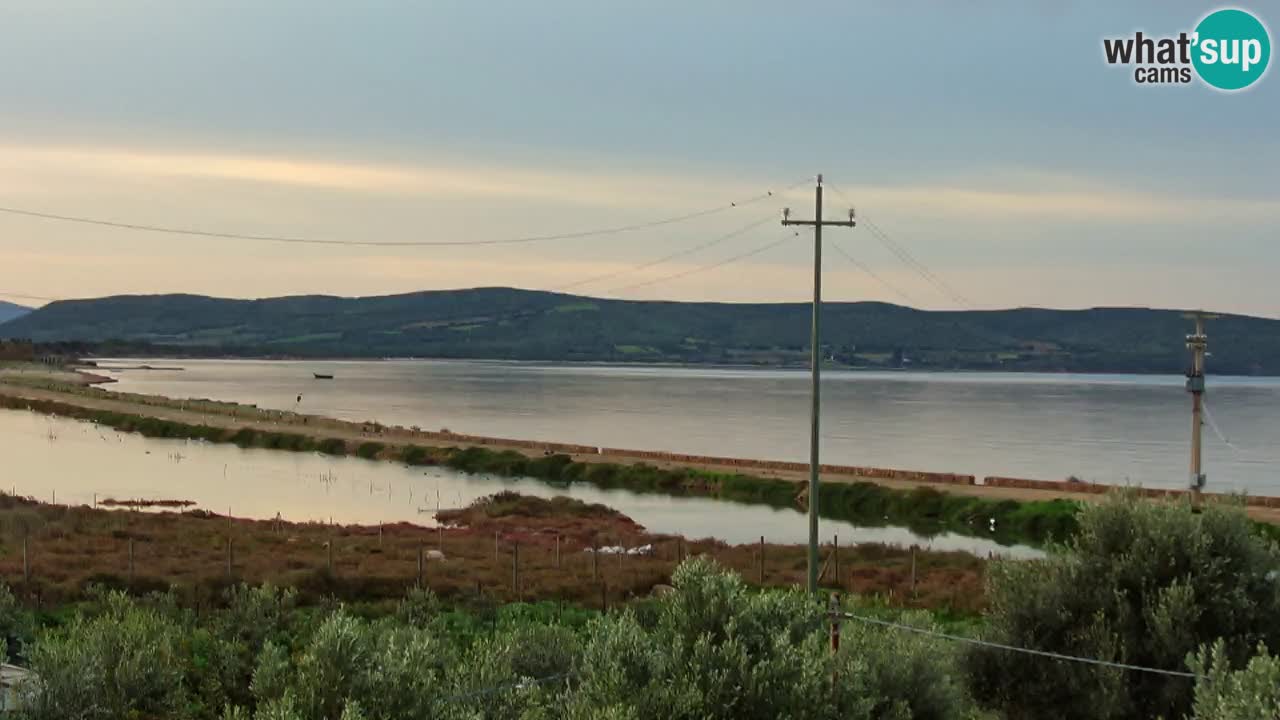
(10, 311)
(505, 323)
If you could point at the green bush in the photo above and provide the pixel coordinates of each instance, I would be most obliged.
(1251, 693)
(332, 446)
(715, 650)
(126, 662)
(1141, 582)
(244, 437)
(416, 455)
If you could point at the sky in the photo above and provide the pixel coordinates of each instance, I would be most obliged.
(989, 139)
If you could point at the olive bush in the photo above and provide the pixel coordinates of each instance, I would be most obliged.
(1145, 583)
(712, 649)
(125, 662)
(718, 650)
(1251, 693)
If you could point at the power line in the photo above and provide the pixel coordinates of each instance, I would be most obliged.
(875, 276)
(679, 253)
(702, 268)
(908, 259)
(1014, 648)
(142, 227)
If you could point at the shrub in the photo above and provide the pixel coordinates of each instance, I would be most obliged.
(1250, 693)
(1145, 583)
(416, 455)
(126, 662)
(419, 608)
(332, 446)
(717, 650)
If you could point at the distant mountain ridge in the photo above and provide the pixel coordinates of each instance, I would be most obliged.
(506, 323)
(10, 311)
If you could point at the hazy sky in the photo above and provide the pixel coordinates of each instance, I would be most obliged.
(989, 138)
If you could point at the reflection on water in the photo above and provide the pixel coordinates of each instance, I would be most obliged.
(76, 460)
(1117, 429)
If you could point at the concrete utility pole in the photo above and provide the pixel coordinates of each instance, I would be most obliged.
(815, 359)
(1197, 343)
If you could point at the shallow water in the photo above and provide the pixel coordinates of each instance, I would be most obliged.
(1116, 429)
(73, 462)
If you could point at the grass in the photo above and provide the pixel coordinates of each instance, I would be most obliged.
(924, 510)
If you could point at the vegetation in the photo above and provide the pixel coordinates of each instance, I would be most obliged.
(73, 548)
(710, 649)
(1149, 584)
(512, 504)
(1250, 693)
(507, 323)
(924, 510)
(1142, 583)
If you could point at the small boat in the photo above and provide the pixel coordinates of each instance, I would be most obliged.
(323, 376)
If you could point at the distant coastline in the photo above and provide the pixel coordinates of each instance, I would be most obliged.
(509, 324)
(645, 364)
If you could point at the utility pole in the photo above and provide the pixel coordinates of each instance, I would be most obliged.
(1197, 343)
(815, 360)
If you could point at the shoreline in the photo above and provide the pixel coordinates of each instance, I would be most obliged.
(991, 486)
(771, 482)
(801, 368)
(86, 388)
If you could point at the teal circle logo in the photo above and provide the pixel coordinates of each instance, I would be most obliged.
(1232, 49)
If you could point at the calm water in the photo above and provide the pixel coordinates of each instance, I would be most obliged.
(1114, 429)
(72, 461)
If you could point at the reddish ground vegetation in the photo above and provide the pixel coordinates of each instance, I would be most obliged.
(69, 548)
(112, 502)
(523, 519)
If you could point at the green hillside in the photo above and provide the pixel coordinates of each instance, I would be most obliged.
(504, 323)
(9, 311)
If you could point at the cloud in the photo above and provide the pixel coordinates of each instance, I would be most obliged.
(1059, 199)
(450, 180)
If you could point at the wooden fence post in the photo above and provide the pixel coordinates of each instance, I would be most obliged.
(515, 570)
(762, 560)
(421, 566)
(913, 571)
(835, 548)
(595, 560)
(834, 610)
(557, 551)
(330, 558)
(130, 561)
(230, 572)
